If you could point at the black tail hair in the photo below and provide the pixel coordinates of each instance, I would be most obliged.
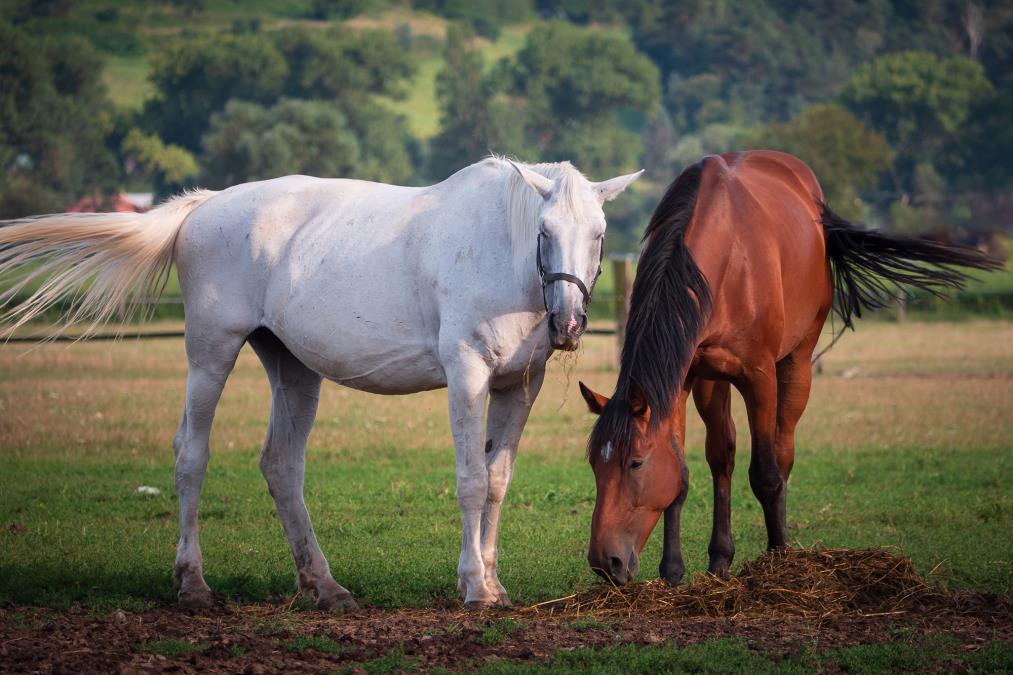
(865, 263)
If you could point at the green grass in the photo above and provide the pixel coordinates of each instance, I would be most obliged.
(912, 453)
(498, 632)
(320, 643)
(394, 662)
(171, 648)
(126, 81)
(917, 655)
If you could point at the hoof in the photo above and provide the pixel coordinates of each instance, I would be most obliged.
(337, 604)
(503, 600)
(200, 598)
(673, 579)
(720, 572)
(479, 605)
(672, 573)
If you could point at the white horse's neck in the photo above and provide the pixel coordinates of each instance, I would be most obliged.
(523, 205)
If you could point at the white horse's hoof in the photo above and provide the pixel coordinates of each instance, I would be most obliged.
(199, 598)
(337, 604)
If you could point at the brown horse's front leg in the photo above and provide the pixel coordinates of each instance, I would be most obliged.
(713, 402)
(672, 566)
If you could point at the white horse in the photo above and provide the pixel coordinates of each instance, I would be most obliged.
(468, 284)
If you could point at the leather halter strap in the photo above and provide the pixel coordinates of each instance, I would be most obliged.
(551, 277)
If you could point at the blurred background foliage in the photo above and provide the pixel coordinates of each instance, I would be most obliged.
(902, 108)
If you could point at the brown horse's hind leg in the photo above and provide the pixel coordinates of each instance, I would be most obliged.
(775, 405)
(713, 402)
(794, 379)
(765, 478)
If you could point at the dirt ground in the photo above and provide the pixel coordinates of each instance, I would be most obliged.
(265, 638)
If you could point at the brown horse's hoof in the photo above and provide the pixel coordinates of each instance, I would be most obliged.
(337, 604)
(200, 598)
(719, 572)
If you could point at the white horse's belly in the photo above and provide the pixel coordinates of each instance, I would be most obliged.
(377, 365)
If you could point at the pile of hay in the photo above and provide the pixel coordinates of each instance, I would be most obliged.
(796, 582)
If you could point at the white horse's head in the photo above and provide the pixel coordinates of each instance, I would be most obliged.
(569, 241)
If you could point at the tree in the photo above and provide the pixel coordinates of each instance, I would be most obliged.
(168, 166)
(916, 99)
(195, 76)
(341, 64)
(53, 124)
(845, 155)
(464, 95)
(248, 142)
(483, 17)
(574, 83)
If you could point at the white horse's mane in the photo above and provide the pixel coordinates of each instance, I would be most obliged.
(523, 204)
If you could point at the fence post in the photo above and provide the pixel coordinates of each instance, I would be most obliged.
(622, 283)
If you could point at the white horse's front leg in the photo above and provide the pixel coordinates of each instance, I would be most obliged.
(468, 389)
(508, 413)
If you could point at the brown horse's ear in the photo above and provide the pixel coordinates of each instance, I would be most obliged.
(595, 401)
(637, 399)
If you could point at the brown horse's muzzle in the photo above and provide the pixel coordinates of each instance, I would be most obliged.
(618, 566)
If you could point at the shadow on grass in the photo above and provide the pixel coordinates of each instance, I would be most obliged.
(43, 584)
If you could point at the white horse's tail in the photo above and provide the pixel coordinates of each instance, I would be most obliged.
(100, 264)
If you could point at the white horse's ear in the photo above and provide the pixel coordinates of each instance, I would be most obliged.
(607, 190)
(537, 181)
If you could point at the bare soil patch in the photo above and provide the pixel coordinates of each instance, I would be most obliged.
(779, 603)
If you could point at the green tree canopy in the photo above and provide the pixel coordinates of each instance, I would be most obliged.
(573, 84)
(916, 99)
(169, 166)
(248, 141)
(845, 155)
(342, 64)
(464, 94)
(54, 119)
(195, 76)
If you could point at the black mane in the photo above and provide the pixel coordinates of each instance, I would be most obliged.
(669, 305)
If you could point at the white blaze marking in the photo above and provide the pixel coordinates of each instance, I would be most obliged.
(606, 451)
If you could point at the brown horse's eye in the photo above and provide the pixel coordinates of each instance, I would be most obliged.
(636, 463)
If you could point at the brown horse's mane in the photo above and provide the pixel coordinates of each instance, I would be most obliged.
(670, 303)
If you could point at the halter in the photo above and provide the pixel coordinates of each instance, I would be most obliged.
(563, 276)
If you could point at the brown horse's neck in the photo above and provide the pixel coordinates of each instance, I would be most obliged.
(669, 306)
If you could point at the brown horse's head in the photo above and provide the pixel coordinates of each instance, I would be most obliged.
(638, 473)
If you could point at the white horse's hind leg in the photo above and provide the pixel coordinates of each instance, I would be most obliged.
(211, 361)
(468, 390)
(295, 391)
(508, 413)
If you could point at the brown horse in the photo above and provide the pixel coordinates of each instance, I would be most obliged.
(743, 262)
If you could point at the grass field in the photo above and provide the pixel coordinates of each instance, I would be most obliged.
(906, 443)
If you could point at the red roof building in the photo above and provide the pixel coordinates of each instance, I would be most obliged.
(121, 203)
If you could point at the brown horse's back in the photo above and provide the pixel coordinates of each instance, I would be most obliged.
(757, 236)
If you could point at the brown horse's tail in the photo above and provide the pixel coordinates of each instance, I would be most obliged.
(865, 263)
